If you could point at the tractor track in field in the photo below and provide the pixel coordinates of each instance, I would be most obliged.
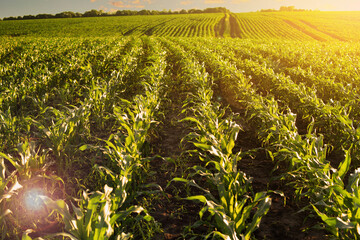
(228, 27)
(220, 27)
(235, 30)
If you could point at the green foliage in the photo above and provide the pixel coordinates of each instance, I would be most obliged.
(117, 26)
(30, 166)
(215, 138)
(65, 131)
(98, 100)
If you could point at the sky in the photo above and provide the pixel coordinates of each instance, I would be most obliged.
(33, 7)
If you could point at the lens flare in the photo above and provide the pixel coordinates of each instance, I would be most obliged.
(33, 199)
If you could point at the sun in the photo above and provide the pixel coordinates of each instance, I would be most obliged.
(33, 200)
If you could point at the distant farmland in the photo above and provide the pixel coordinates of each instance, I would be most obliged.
(321, 26)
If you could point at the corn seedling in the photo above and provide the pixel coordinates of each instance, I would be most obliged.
(215, 138)
(64, 131)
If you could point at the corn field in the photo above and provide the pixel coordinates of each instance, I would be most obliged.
(140, 137)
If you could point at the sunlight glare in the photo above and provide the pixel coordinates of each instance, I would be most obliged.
(33, 200)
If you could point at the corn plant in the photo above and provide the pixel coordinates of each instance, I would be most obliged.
(9, 186)
(233, 210)
(215, 138)
(339, 206)
(30, 172)
(331, 119)
(96, 216)
(12, 129)
(65, 130)
(125, 150)
(312, 175)
(29, 160)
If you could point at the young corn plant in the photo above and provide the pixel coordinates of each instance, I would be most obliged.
(18, 187)
(9, 187)
(236, 212)
(339, 205)
(11, 129)
(64, 131)
(311, 174)
(96, 217)
(102, 215)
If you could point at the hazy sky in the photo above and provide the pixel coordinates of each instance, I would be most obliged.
(25, 7)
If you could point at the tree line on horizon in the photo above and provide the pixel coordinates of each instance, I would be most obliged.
(100, 13)
(285, 9)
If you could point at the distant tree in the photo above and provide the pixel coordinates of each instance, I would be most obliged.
(104, 14)
(129, 12)
(9, 18)
(165, 11)
(195, 11)
(44, 16)
(268, 10)
(65, 15)
(284, 9)
(144, 12)
(287, 9)
(215, 10)
(92, 13)
(119, 13)
(29, 17)
(96, 13)
(155, 12)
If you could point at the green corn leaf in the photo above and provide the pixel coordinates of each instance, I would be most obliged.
(232, 139)
(15, 164)
(78, 212)
(200, 198)
(344, 165)
(263, 208)
(177, 180)
(91, 211)
(191, 119)
(110, 144)
(83, 147)
(2, 170)
(16, 186)
(219, 234)
(125, 213)
(25, 235)
(203, 146)
(238, 208)
(333, 223)
(5, 213)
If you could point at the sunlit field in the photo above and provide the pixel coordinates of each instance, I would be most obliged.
(218, 126)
